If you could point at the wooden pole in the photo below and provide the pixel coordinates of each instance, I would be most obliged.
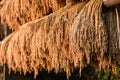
(110, 3)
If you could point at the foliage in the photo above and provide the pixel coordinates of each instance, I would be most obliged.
(108, 74)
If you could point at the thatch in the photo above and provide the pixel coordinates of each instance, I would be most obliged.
(15, 13)
(69, 38)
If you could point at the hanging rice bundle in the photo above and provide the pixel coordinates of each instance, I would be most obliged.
(92, 40)
(74, 36)
(112, 22)
(41, 44)
(15, 13)
(88, 33)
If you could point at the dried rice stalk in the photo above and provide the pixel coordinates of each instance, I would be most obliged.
(66, 39)
(118, 24)
(113, 24)
(15, 13)
(93, 40)
(88, 35)
(41, 44)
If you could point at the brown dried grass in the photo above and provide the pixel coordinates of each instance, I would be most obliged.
(15, 13)
(71, 37)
